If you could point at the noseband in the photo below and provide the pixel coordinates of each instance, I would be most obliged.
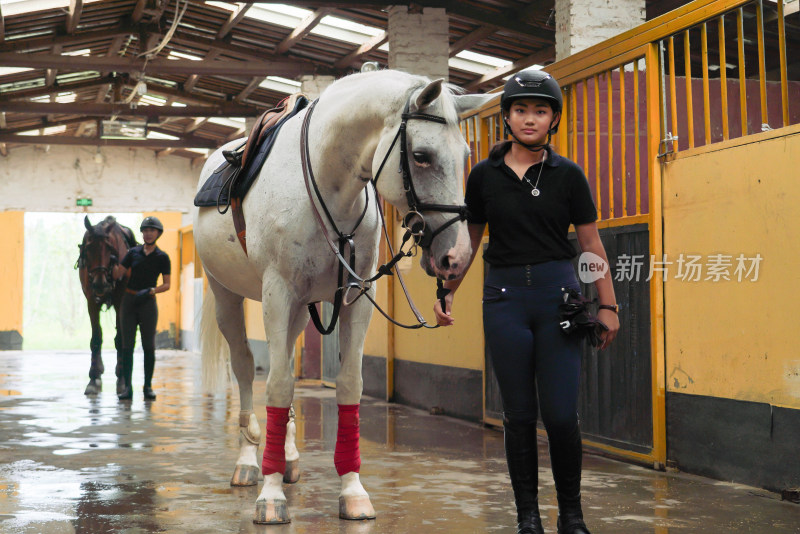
(413, 222)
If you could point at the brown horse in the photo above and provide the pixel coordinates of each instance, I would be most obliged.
(103, 281)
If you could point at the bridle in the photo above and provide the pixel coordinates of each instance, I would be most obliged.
(417, 230)
(105, 270)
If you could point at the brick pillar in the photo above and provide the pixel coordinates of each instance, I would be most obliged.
(312, 85)
(583, 23)
(419, 42)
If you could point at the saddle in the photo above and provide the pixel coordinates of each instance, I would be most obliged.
(229, 183)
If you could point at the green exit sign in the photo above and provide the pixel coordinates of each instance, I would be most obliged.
(83, 202)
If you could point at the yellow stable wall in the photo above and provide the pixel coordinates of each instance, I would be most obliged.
(735, 339)
(460, 345)
(12, 243)
(169, 302)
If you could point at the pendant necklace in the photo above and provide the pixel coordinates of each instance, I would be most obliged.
(535, 187)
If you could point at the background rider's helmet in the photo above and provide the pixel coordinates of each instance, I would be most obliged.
(533, 83)
(152, 222)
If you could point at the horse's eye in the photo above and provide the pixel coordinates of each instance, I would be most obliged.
(423, 159)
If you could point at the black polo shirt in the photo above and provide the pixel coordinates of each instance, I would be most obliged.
(145, 268)
(524, 229)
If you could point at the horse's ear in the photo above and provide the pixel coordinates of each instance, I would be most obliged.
(86, 223)
(429, 94)
(466, 103)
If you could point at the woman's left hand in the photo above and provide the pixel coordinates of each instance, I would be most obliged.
(611, 320)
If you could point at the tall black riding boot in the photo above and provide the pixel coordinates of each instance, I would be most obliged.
(127, 373)
(523, 468)
(566, 456)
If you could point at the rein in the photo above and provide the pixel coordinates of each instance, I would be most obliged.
(417, 230)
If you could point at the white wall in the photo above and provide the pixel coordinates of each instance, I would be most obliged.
(36, 178)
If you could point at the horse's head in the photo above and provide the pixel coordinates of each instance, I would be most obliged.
(100, 254)
(430, 196)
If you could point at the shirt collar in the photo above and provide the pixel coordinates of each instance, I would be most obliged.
(553, 159)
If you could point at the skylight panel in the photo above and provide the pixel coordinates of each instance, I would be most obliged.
(180, 55)
(52, 130)
(12, 70)
(159, 135)
(279, 14)
(16, 7)
(82, 52)
(282, 85)
(65, 98)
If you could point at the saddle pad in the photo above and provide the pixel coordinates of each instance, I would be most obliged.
(215, 191)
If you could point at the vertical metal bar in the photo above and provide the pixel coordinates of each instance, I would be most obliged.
(573, 111)
(762, 69)
(636, 155)
(597, 145)
(673, 97)
(610, 116)
(585, 120)
(622, 141)
(706, 96)
(687, 62)
(742, 76)
(723, 77)
(782, 52)
(658, 362)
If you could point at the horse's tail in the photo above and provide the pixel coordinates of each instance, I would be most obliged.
(214, 350)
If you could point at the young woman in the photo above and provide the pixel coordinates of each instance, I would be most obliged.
(529, 196)
(144, 263)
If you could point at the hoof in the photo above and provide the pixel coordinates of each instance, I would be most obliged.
(271, 512)
(94, 387)
(245, 475)
(120, 385)
(356, 508)
(292, 473)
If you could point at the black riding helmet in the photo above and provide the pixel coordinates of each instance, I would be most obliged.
(532, 83)
(152, 222)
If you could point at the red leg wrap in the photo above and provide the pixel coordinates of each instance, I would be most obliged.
(347, 457)
(274, 460)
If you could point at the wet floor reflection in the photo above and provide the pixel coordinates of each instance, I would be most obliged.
(69, 463)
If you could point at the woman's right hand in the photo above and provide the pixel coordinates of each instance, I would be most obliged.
(443, 317)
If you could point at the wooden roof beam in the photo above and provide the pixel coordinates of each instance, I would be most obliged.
(252, 86)
(189, 84)
(362, 50)
(43, 108)
(546, 55)
(50, 74)
(198, 122)
(473, 37)
(45, 43)
(138, 10)
(74, 15)
(245, 69)
(45, 123)
(302, 30)
(96, 141)
(234, 19)
(2, 27)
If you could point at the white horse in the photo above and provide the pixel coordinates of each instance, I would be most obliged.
(289, 262)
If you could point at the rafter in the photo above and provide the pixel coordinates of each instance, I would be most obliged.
(362, 50)
(248, 69)
(542, 57)
(192, 80)
(45, 43)
(96, 141)
(302, 30)
(138, 10)
(2, 27)
(471, 38)
(50, 74)
(502, 19)
(45, 123)
(74, 15)
(43, 108)
(233, 20)
(198, 122)
(57, 88)
(252, 86)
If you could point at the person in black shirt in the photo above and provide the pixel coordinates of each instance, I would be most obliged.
(529, 196)
(144, 263)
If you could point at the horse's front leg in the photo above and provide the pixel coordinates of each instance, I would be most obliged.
(96, 370)
(284, 319)
(354, 501)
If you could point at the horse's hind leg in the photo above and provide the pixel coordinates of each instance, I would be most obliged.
(284, 319)
(96, 370)
(354, 502)
(230, 318)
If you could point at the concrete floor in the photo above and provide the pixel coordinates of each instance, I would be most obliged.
(69, 463)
